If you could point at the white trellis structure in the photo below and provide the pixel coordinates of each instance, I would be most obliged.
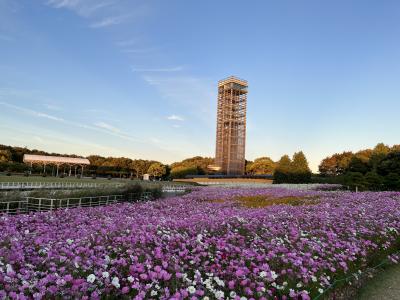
(57, 161)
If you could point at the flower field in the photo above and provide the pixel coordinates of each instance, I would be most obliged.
(214, 243)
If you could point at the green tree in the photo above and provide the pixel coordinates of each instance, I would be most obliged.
(261, 166)
(392, 182)
(373, 181)
(358, 165)
(199, 163)
(182, 172)
(282, 170)
(378, 154)
(157, 170)
(300, 171)
(390, 164)
(5, 156)
(355, 180)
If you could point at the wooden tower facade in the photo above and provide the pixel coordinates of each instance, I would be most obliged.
(231, 126)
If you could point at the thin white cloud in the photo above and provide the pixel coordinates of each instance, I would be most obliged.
(176, 126)
(109, 21)
(175, 118)
(107, 127)
(196, 94)
(84, 8)
(100, 127)
(32, 112)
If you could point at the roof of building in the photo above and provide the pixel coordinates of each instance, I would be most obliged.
(233, 79)
(31, 158)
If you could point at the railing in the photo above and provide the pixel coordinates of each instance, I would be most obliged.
(31, 204)
(52, 185)
(174, 188)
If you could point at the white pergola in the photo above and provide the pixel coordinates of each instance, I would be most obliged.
(56, 161)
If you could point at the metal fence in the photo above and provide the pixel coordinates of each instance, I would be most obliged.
(53, 185)
(174, 188)
(31, 204)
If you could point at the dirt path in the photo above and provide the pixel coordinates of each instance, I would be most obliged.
(386, 285)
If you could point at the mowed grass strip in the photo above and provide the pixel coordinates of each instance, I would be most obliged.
(264, 201)
(261, 201)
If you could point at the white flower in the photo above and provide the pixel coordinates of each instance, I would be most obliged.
(107, 259)
(105, 274)
(243, 298)
(263, 274)
(130, 279)
(199, 238)
(91, 278)
(313, 278)
(320, 290)
(206, 298)
(191, 289)
(299, 285)
(9, 269)
(115, 282)
(285, 283)
(232, 294)
(219, 281)
(26, 231)
(69, 241)
(153, 293)
(274, 275)
(219, 294)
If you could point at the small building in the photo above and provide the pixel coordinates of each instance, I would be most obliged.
(146, 176)
(56, 161)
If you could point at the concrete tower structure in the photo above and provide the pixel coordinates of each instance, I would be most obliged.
(231, 126)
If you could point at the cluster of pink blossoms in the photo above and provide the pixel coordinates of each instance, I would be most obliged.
(193, 247)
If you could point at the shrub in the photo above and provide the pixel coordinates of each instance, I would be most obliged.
(392, 181)
(373, 181)
(355, 180)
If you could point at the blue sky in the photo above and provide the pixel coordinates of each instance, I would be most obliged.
(139, 78)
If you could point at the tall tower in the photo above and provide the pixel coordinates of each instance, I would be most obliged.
(231, 125)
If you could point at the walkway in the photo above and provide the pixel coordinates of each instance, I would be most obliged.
(386, 285)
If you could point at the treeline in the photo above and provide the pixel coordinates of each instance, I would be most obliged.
(370, 169)
(11, 160)
(295, 170)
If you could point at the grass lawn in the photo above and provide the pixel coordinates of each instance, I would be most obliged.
(386, 285)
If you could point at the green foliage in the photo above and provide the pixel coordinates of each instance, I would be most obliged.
(5, 156)
(180, 172)
(392, 181)
(336, 164)
(157, 170)
(293, 171)
(282, 171)
(375, 165)
(261, 166)
(389, 164)
(355, 180)
(197, 165)
(373, 181)
(358, 165)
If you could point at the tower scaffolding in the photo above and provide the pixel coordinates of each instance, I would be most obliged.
(231, 125)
